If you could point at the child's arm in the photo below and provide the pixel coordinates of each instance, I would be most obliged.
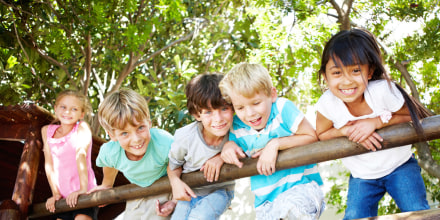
(360, 131)
(84, 140)
(211, 168)
(108, 179)
(305, 134)
(48, 166)
(363, 128)
(181, 191)
(326, 131)
(231, 153)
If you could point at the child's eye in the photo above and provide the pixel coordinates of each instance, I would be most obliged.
(124, 134)
(357, 70)
(142, 127)
(238, 108)
(225, 109)
(74, 109)
(256, 103)
(336, 73)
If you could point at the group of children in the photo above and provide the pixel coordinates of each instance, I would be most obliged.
(240, 115)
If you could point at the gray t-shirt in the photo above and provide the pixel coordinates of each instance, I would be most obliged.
(190, 151)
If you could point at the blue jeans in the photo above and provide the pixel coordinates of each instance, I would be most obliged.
(209, 206)
(404, 184)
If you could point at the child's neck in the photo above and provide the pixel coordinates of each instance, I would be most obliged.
(359, 108)
(63, 130)
(212, 140)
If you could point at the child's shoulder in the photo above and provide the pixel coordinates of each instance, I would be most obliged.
(160, 136)
(187, 133)
(186, 130)
(84, 127)
(160, 132)
(380, 84)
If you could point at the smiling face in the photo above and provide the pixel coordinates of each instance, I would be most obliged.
(69, 109)
(216, 123)
(134, 139)
(348, 83)
(253, 111)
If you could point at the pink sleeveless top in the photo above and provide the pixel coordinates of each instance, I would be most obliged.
(63, 152)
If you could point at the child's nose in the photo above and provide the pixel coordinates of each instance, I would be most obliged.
(250, 112)
(217, 116)
(347, 78)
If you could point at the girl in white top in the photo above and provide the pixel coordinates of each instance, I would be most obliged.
(360, 99)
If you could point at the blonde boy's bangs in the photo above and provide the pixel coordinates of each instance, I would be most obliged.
(247, 80)
(122, 108)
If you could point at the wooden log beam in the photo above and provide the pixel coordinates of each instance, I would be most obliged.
(9, 210)
(430, 214)
(395, 135)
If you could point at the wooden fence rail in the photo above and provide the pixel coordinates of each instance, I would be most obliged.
(395, 135)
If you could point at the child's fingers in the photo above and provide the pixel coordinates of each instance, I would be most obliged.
(257, 154)
(240, 153)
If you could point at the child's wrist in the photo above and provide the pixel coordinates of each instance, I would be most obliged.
(385, 117)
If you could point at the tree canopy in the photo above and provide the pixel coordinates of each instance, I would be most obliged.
(155, 47)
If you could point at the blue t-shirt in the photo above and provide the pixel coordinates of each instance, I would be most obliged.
(142, 172)
(283, 121)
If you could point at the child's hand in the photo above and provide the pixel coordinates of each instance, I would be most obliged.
(267, 158)
(181, 191)
(372, 142)
(211, 168)
(50, 203)
(165, 209)
(72, 199)
(231, 153)
(362, 129)
(99, 188)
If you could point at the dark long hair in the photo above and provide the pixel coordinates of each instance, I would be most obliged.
(359, 47)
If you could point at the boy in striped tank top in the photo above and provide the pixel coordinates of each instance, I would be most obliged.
(263, 125)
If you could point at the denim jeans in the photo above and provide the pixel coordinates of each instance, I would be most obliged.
(209, 206)
(404, 184)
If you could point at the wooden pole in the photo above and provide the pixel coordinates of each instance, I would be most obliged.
(27, 171)
(395, 135)
(430, 214)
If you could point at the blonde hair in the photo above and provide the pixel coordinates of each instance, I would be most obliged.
(246, 79)
(122, 107)
(85, 104)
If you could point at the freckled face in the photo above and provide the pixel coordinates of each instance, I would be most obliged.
(216, 122)
(134, 139)
(348, 82)
(253, 111)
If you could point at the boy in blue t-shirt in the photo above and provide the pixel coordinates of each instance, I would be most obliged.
(137, 150)
(263, 125)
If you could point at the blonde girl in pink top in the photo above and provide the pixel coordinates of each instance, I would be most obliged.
(67, 152)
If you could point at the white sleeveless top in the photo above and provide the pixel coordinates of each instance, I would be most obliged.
(381, 98)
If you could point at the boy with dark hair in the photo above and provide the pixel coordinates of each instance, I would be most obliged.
(197, 146)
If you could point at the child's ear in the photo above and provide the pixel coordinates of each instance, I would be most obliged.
(273, 94)
(370, 74)
(111, 135)
(197, 117)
